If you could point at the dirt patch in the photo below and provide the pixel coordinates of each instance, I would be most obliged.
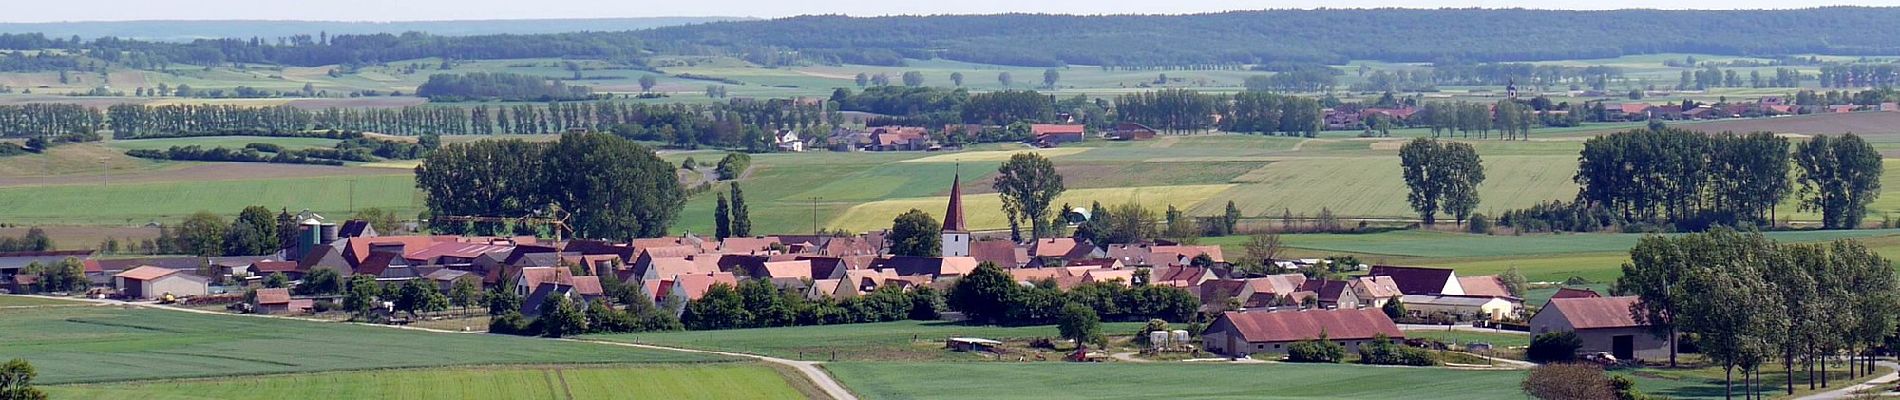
(357, 102)
(203, 172)
(1387, 145)
(88, 237)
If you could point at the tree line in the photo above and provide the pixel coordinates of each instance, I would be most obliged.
(1694, 180)
(1747, 301)
(499, 86)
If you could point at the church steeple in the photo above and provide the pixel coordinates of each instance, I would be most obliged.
(953, 217)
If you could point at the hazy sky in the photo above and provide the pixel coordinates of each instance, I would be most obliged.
(409, 10)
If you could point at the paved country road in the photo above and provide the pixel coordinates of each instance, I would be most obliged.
(817, 375)
(1850, 391)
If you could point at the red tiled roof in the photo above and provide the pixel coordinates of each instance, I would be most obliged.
(788, 269)
(146, 273)
(1487, 285)
(273, 296)
(359, 246)
(268, 267)
(1288, 326)
(1052, 247)
(1055, 129)
(1596, 312)
(1572, 293)
(1000, 252)
(744, 244)
(696, 285)
(586, 285)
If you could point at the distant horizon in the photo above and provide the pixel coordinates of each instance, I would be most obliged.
(370, 11)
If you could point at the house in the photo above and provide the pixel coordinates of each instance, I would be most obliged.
(267, 268)
(1056, 134)
(1259, 292)
(1161, 255)
(271, 301)
(657, 269)
(1603, 324)
(1131, 131)
(788, 140)
(692, 287)
(1463, 307)
(1239, 333)
(1375, 291)
(1332, 294)
(148, 282)
(934, 267)
(1003, 253)
(1181, 276)
(445, 279)
(1124, 277)
(896, 138)
(1421, 280)
(1065, 249)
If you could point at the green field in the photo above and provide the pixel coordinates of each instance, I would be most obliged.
(723, 381)
(903, 340)
(20, 301)
(110, 344)
(138, 203)
(1499, 340)
(1002, 380)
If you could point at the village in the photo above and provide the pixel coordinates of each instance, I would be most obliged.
(1254, 317)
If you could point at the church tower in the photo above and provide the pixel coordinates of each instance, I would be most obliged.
(956, 237)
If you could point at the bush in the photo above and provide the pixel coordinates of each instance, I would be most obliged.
(1382, 351)
(1479, 224)
(1315, 351)
(323, 306)
(1554, 347)
(1567, 381)
(512, 323)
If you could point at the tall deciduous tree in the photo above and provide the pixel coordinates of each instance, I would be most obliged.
(722, 218)
(984, 295)
(1442, 177)
(202, 234)
(741, 216)
(1028, 184)
(1839, 177)
(614, 187)
(1080, 324)
(16, 381)
(915, 233)
(956, 78)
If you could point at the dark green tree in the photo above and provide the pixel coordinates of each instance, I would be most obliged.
(722, 218)
(1028, 184)
(741, 215)
(985, 295)
(1839, 177)
(916, 233)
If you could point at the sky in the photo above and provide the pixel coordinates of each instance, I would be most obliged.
(416, 10)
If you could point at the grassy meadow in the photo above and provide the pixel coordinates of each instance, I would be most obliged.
(1002, 380)
(884, 341)
(112, 344)
(720, 381)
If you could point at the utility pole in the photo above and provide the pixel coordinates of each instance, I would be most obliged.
(814, 216)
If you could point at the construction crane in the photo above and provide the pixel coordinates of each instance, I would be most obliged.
(551, 215)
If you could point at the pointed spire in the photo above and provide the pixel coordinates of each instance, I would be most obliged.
(953, 218)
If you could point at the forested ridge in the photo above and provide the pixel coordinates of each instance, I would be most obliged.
(1332, 36)
(1216, 40)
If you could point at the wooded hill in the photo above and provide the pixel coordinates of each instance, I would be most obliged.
(1328, 36)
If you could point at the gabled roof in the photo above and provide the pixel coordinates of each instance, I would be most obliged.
(694, 286)
(355, 228)
(788, 269)
(1572, 293)
(926, 266)
(670, 251)
(180, 262)
(1453, 300)
(1001, 252)
(1328, 291)
(1596, 312)
(1125, 276)
(668, 267)
(1053, 247)
(1380, 287)
(586, 285)
(146, 273)
(1488, 285)
(1415, 280)
(359, 247)
(535, 276)
(269, 267)
(273, 296)
(455, 249)
(744, 244)
(1178, 275)
(585, 247)
(446, 274)
(1055, 129)
(1288, 326)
